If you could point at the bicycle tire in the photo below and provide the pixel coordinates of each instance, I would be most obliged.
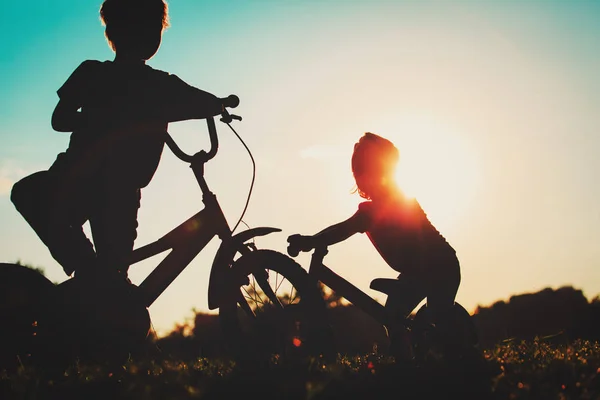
(461, 340)
(92, 324)
(22, 295)
(296, 330)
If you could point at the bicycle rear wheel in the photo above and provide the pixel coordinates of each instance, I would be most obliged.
(459, 341)
(23, 291)
(93, 323)
(275, 310)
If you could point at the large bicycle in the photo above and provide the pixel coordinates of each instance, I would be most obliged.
(41, 320)
(426, 342)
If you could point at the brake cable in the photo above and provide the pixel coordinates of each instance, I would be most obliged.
(253, 177)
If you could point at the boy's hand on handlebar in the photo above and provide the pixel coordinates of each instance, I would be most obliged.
(231, 101)
(298, 243)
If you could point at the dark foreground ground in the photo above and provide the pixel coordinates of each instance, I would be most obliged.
(516, 370)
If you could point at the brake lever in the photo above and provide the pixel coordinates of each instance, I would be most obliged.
(228, 118)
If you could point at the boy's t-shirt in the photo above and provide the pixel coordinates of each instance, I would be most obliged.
(128, 108)
(402, 234)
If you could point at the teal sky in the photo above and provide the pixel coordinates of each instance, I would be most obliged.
(495, 107)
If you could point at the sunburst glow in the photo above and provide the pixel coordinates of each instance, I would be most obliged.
(437, 166)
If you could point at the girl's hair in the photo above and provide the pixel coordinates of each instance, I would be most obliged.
(374, 158)
(118, 16)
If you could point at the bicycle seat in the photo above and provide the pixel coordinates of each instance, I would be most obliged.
(384, 285)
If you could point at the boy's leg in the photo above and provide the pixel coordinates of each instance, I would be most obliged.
(56, 222)
(114, 228)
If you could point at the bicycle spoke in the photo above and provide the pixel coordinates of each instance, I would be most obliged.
(254, 299)
(288, 296)
(245, 306)
(292, 298)
(277, 288)
(276, 284)
(284, 303)
(263, 289)
(268, 291)
(256, 290)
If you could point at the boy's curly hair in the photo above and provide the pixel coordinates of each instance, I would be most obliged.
(120, 15)
(374, 157)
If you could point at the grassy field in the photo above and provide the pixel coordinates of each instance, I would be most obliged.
(514, 370)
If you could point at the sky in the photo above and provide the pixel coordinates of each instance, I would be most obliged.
(494, 106)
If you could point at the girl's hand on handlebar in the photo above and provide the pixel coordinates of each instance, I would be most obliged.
(298, 243)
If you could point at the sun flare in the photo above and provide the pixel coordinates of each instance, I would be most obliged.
(437, 166)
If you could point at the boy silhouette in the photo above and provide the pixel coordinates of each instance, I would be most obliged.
(117, 112)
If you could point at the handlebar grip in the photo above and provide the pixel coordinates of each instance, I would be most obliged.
(293, 251)
(231, 101)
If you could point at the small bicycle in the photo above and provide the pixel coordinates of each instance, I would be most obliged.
(41, 320)
(303, 322)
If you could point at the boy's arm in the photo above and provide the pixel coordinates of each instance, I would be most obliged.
(199, 105)
(72, 94)
(66, 117)
(206, 104)
(186, 102)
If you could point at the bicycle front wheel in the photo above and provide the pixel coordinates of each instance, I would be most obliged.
(278, 310)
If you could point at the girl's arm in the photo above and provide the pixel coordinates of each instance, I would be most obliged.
(336, 233)
(333, 234)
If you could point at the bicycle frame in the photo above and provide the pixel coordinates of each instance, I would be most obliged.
(191, 237)
(342, 287)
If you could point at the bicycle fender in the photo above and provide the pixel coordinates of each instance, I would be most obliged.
(223, 259)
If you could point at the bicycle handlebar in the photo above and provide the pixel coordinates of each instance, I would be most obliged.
(319, 251)
(293, 251)
(230, 101)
